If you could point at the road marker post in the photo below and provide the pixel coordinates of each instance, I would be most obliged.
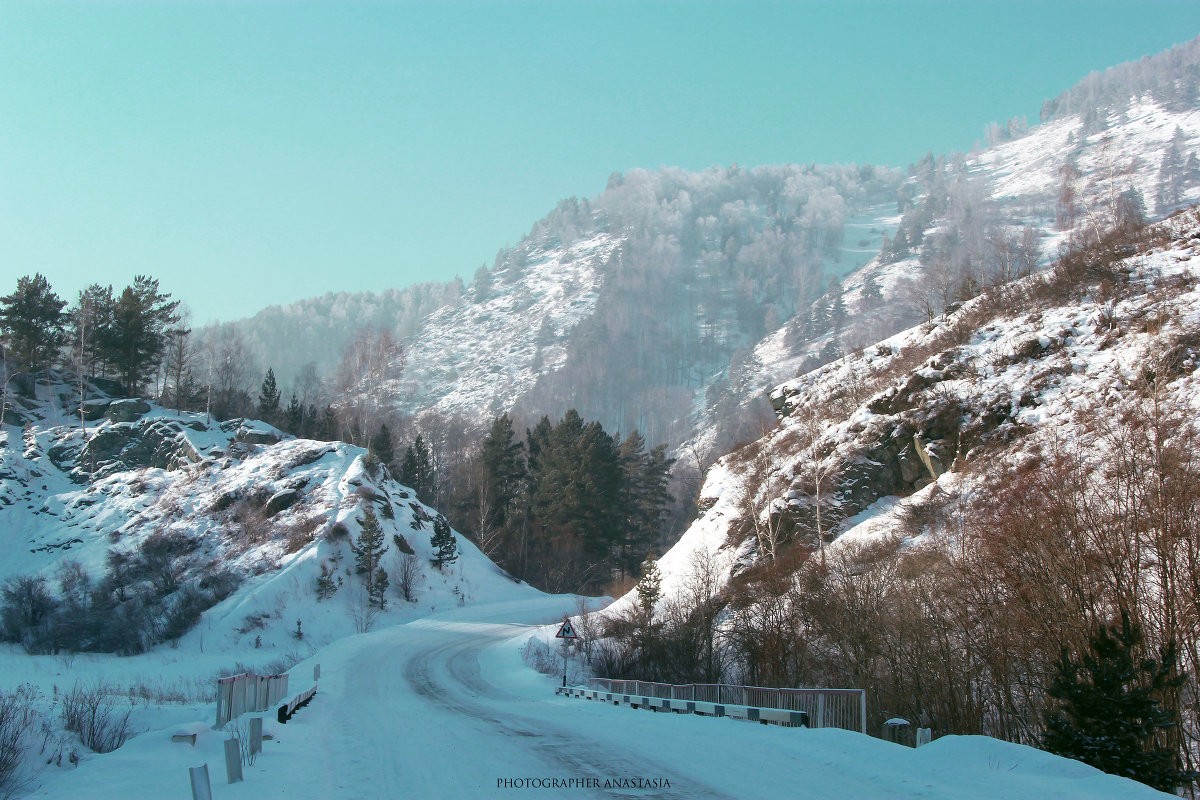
(568, 635)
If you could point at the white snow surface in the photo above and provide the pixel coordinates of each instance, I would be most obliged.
(443, 707)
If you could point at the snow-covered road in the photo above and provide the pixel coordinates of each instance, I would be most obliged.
(443, 707)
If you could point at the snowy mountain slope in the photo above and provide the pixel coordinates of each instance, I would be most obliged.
(474, 359)
(1021, 181)
(912, 413)
(702, 283)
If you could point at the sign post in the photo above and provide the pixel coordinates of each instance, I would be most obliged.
(567, 634)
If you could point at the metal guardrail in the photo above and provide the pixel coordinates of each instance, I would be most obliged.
(826, 708)
(238, 694)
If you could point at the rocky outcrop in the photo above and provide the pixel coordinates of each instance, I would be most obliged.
(158, 443)
(127, 410)
(280, 501)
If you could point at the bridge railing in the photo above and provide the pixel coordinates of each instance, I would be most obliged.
(826, 708)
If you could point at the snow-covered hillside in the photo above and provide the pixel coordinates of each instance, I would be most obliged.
(473, 360)
(890, 426)
(1018, 183)
(242, 518)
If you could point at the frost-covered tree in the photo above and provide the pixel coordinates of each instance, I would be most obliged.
(1172, 174)
(649, 587)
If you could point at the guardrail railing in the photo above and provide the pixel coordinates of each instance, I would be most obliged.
(238, 694)
(826, 708)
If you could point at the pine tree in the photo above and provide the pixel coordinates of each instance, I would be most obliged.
(327, 581)
(576, 485)
(368, 551)
(327, 429)
(416, 470)
(871, 295)
(444, 543)
(503, 472)
(644, 497)
(1111, 712)
(31, 322)
(837, 306)
(268, 397)
(382, 447)
(91, 322)
(293, 416)
(142, 316)
(1172, 174)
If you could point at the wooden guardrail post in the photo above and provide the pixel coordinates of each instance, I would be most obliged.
(233, 760)
(201, 788)
(256, 724)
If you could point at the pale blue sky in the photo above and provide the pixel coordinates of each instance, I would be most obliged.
(255, 153)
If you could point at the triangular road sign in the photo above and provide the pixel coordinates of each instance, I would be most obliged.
(566, 631)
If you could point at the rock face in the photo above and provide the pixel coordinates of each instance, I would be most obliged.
(258, 437)
(127, 410)
(157, 443)
(280, 501)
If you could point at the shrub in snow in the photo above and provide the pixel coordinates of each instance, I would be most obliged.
(18, 718)
(87, 712)
(409, 576)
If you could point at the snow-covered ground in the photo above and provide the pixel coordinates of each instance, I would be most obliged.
(443, 707)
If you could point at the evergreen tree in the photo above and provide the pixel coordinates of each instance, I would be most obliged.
(368, 551)
(446, 548)
(837, 306)
(872, 295)
(327, 428)
(1111, 712)
(503, 472)
(293, 416)
(142, 316)
(416, 470)
(31, 322)
(1172, 174)
(382, 447)
(576, 486)
(644, 497)
(268, 397)
(327, 581)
